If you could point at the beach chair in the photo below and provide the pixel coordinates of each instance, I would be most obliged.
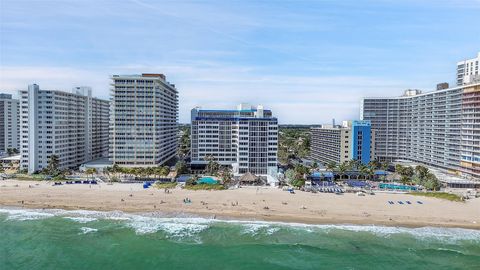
(419, 202)
(400, 202)
(408, 202)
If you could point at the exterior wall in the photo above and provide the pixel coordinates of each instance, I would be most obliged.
(428, 128)
(361, 141)
(468, 70)
(9, 122)
(342, 143)
(143, 120)
(247, 139)
(60, 123)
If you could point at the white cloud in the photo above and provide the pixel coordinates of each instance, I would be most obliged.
(294, 99)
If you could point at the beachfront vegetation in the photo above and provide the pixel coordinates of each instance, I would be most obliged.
(419, 175)
(53, 166)
(165, 185)
(146, 172)
(213, 166)
(184, 144)
(91, 171)
(205, 187)
(181, 167)
(439, 195)
(293, 143)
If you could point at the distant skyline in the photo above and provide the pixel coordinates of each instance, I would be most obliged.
(308, 61)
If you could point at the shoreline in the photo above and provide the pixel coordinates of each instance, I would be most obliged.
(263, 204)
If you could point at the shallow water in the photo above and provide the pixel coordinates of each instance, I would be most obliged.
(59, 239)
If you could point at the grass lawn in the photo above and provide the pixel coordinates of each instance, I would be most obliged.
(439, 195)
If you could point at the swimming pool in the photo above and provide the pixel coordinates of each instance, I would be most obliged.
(207, 180)
(397, 187)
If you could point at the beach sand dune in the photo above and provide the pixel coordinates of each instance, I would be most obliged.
(247, 203)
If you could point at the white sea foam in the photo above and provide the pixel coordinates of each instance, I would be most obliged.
(81, 219)
(173, 227)
(185, 226)
(86, 230)
(21, 214)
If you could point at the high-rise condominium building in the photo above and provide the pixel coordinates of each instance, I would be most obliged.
(352, 140)
(9, 134)
(72, 126)
(143, 120)
(246, 138)
(468, 71)
(438, 128)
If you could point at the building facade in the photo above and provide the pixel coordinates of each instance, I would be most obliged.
(352, 140)
(245, 138)
(9, 123)
(72, 126)
(468, 71)
(439, 128)
(143, 120)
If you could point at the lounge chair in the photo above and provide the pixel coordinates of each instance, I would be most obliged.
(400, 202)
(408, 202)
(419, 202)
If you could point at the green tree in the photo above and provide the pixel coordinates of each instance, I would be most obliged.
(290, 176)
(164, 171)
(331, 166)
(2, 169)
(53, 165)
(226, 176)
(212, 165)
(181, 167)
(91, 171)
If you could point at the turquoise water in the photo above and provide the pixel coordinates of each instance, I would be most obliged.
(57, 239)
(207, 180)
(399, 187)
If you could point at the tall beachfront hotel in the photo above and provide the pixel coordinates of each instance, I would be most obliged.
(9, 122)
(439, 128)
(352, 140)
(143, 120)
(245, 138)
(73, 126)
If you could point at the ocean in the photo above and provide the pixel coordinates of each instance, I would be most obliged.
(59, 239)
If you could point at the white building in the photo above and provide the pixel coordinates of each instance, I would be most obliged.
(245, 138)
(9, 133)
(468, 71)
(143, 120)
(73, 126)
(438, 128)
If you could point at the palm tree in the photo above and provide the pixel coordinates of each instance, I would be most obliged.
(331, 166)
(342, 168)
(91, 171)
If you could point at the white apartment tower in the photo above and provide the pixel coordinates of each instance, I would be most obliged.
(73, 126)
(438, 128)
(468, 71)
(143, 120)
(9, 133)
(245, 138)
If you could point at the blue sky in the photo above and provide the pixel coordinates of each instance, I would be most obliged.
(309, 61)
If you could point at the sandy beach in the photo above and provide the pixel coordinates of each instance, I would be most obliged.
(248, 203)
